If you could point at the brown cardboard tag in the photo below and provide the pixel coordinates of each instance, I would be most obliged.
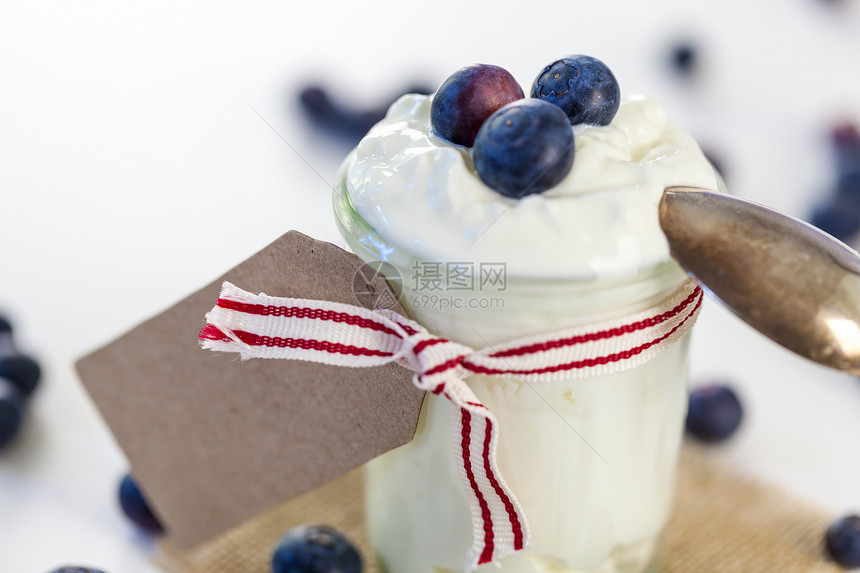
(213, 440)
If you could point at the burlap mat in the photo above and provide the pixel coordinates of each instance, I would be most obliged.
(722, 523)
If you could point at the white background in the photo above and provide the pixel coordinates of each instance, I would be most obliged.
(134, 168)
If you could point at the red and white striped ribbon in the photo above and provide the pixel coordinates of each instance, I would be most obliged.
(262, 326)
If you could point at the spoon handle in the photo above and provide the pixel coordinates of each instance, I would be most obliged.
(790, 281)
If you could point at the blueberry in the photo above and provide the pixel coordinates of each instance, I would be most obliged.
(582, 86)
(844, 134)
(328, 115)
(684, 58)
(714, 414)
(840, 218)
(350, 124)
(22, 371)
(135, 507)
(315, 102)
(525, 147)
(76, 569)
(843, 541)
(7, 342)
(846, 142)
(11, 411)
(5, 325)
(848, 184)
(315, 549)
(468, 97)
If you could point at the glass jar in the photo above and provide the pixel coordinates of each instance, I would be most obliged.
(592, 460)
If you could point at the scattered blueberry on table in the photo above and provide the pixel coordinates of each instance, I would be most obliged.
(845, 139)
(329, 115)
(23, 371)
(11, 411)
(19, 377)
(340, 120)
(843, 541)
(684, 58)
(315, 549)
(468, 97)
(135, 506)
(839, 213)
(76, 569)
(841, 221)
(714, 413)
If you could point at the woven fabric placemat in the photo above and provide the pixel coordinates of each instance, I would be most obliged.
(722, 523)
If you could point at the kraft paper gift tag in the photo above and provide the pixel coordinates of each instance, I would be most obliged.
(213, 440)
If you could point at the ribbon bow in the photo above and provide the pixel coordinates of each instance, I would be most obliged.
(261, 326)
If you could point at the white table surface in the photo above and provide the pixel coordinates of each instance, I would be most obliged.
(134, 169)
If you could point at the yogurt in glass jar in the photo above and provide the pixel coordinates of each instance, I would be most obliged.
(591, 460)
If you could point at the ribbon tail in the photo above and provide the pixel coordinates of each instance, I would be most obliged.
(499, 526)
(262, 326)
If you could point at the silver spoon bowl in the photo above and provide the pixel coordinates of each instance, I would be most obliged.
(790, 281)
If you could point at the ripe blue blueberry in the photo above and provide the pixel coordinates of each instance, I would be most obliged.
(11, 411)
(7, 342)
(135, 506)
(315, 549)
(582, 86)
(684, 58)
(839, 217)
(846, 144)
(76, 569)
(715, 413)
(844, 134)
(340, 119)
(848, 184)
(468, 97)
(525, 147)
(843, 541)
(839, 214)
(22, 371)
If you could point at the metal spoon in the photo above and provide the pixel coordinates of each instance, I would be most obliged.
(790, 281)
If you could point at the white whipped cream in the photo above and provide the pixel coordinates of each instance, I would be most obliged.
(421, 193)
